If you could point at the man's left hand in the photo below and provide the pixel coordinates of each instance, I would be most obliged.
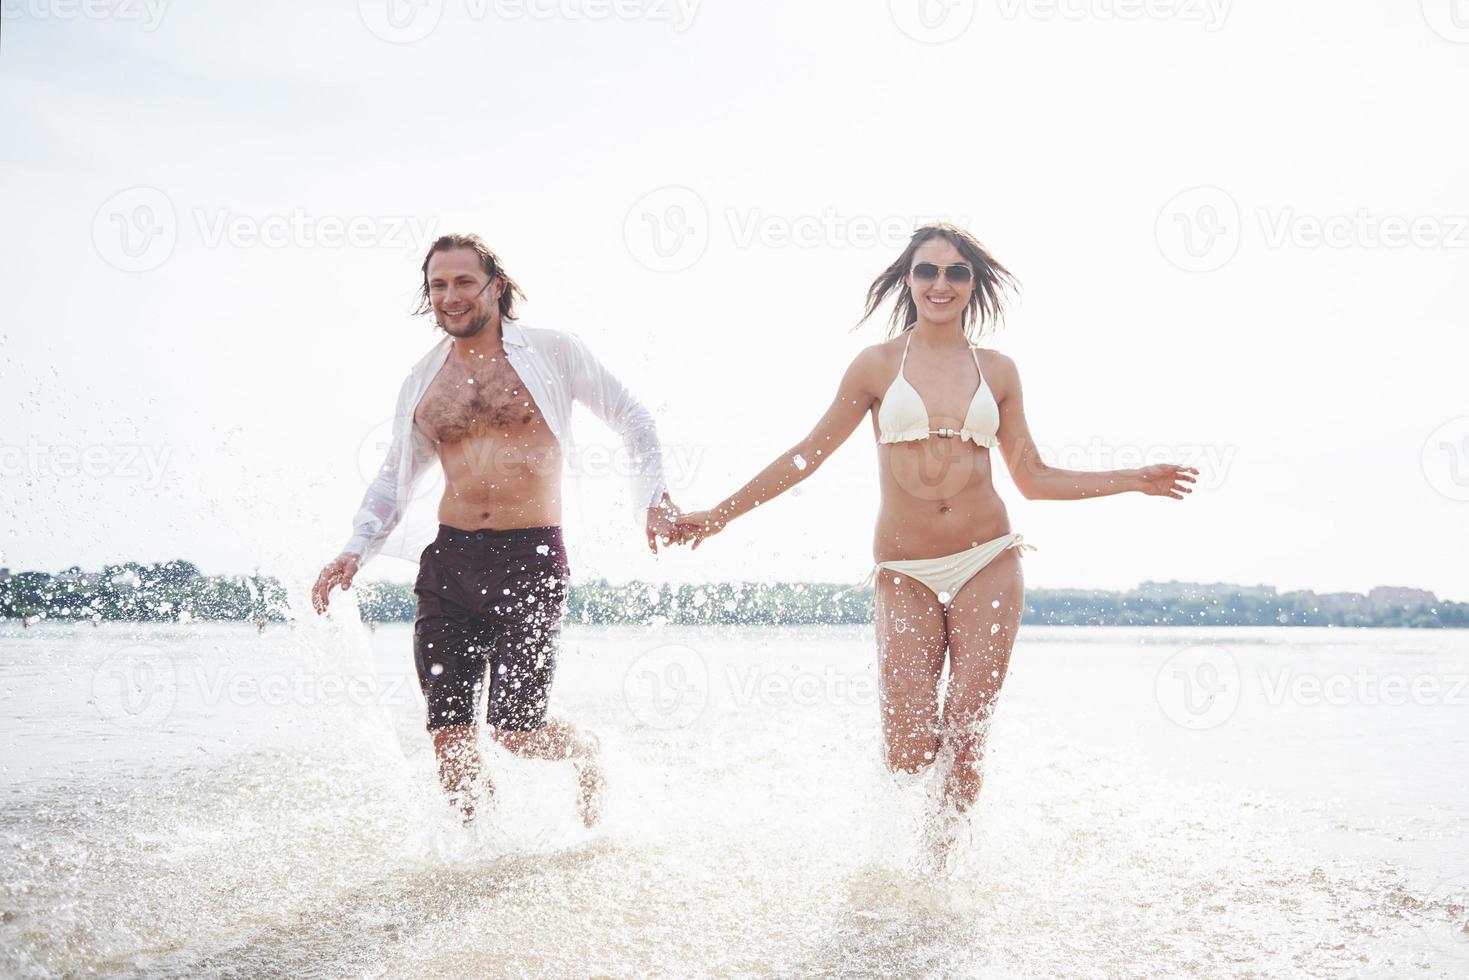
(662, 523)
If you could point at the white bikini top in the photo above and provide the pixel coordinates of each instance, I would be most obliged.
(903, 417)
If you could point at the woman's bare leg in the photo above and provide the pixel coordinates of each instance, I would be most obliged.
(910, 647)
(984, 619)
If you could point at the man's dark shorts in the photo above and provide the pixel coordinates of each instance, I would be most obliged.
(489, 606)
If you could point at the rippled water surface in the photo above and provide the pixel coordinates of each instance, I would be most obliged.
(206, 800)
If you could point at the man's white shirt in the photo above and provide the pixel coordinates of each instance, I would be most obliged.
(557, 370)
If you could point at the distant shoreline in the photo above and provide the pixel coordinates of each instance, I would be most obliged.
(177, 592)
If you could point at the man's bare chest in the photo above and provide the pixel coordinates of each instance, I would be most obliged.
(490, 400)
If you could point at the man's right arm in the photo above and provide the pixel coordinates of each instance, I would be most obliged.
(381, 509)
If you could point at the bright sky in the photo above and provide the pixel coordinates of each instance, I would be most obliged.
(1241, 227)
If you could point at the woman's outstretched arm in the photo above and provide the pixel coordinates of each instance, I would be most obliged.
(1037, 480)
(853, 400)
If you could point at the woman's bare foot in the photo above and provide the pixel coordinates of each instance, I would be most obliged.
(589, 791)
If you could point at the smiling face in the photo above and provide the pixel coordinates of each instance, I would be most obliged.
(940, 300)
(464, 299)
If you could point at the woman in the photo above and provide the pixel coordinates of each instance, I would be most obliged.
(949, 584)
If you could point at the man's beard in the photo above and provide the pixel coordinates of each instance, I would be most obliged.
(472, 330)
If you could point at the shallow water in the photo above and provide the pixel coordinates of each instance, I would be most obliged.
(204, 800)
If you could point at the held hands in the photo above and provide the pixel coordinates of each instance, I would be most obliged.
(662, 518)
(341, 570)
(1166, 480)
(672, 526)
(697, 525)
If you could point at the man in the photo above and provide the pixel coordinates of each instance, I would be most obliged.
(493, 402)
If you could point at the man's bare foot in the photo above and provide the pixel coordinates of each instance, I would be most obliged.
(466, 804)
(589, 792)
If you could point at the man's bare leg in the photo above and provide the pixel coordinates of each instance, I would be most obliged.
(558, 740)
(459, 766)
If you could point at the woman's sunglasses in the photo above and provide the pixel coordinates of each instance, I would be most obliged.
(959, 275)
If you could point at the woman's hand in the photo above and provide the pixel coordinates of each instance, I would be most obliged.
(1166, 480)
(696, 525)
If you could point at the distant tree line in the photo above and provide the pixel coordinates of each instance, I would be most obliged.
(175, 591)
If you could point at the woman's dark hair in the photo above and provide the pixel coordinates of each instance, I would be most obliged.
(488, 259)
(986, 306)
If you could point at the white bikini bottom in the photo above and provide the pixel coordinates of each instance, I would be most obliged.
(946, 576)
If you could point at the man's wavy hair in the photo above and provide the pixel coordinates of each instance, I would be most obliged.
(986, 306)
(488, 260)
